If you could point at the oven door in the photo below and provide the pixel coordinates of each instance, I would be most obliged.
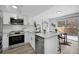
(16, 39)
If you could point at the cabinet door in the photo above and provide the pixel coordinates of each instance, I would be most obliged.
(5, 42)
(51, 45)
(26, 37)
(6, 17)
(32, 40)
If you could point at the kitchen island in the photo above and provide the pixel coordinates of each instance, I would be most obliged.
(46, 43)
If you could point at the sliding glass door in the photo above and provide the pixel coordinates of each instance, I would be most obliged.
(70, 26)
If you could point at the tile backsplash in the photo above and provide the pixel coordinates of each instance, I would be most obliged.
(8, 28)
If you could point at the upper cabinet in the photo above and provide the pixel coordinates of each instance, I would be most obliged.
(26, 20)
(6, 17)
(17, 19)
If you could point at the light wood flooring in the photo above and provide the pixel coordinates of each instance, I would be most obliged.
(25, 49)
(73, 49)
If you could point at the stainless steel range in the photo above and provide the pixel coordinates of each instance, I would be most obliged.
(16, 38)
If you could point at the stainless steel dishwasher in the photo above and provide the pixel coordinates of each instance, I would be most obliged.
(39, 44)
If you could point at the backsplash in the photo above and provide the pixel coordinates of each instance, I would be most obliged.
(8, 28)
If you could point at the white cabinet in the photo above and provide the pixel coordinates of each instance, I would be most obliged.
(26, 37)
(26, 21)
(30, 38)
(5, 42)
(6, 17)
(51, 45)
(46, 44)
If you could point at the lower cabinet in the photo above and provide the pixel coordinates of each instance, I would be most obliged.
(5, 42)
(46, 45)
(30, 38)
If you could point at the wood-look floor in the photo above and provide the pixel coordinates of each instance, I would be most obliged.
(73, 49)
(25, 49)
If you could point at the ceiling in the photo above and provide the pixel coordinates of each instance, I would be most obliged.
(32, 10)
(58, 11)
(28, 10)
(41, 10)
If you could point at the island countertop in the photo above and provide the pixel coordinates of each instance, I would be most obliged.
(47, 35)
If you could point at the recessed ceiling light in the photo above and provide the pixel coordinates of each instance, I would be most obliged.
(59, 12)
(14, 6)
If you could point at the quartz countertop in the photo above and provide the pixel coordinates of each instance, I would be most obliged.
(47, 35)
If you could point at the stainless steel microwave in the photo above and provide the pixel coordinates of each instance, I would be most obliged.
(14, 21)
